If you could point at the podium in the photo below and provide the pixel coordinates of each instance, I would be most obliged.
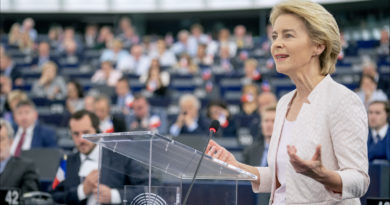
(165, 164)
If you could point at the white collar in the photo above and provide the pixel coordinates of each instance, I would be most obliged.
(29, 130)
(94, 155)
(382, 132)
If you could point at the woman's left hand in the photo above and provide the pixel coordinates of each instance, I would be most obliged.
(312, 168)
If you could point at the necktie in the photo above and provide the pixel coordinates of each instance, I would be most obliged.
(377, 138)
(20, 144)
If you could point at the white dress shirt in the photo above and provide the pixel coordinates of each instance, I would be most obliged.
(85, 170)
(27, 139)
(381, 132)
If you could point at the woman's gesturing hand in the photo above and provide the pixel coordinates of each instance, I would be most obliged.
(217, 151)
(312, 168)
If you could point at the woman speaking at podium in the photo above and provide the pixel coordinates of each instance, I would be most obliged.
(318, 151)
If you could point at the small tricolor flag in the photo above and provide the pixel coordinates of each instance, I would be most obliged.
(206, 74)
(61, 173)
(129, 100)
(107, 126)
(265, 86)
(223, 121)
(154, 122)
(247, 98)
(256, 75)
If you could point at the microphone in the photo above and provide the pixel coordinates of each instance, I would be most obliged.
(214, 126)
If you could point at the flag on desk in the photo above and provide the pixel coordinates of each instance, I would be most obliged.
(61, 173)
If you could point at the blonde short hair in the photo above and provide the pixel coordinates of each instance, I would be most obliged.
(320, 24)
(251, 61)
(16, 95)
(49, 64)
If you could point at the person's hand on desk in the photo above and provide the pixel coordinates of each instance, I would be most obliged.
(314, 169)
(217, 151)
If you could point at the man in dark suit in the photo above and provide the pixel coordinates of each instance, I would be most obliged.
(9, 69)
(143, 117)
(14, 171)
(108, 123)
(188, 121)
(30, 133)
(81, 182)
(379, 134)
(256, 154)
(44, 56)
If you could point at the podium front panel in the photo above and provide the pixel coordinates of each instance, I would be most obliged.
(168, 155)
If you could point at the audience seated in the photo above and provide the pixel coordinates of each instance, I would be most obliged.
(241, 38)
(115, 53)
(74, 98)
(44, 56)
(30, 133)
(218, 110)
(69, 35)
(83, 180)
(383, 49)
(14, 35)
(266, 99)
(379, 131)
(252, 74)
(197, 37)
(256, 154)
(105, 37)
(49, 85)
(368, 90)
(189, 120)
(370, 68)
(106, 75)
(143, 117)
(5, 89)
(165, 57)
(70, 57)
(203, 59)
(137, 62)
(28, 27)
(55, 35)
(129, 37)
(125, 98)
(249, 97)
(108, 123)
(26, 44)
(9, 69)
(224, 63)
(181, 46)
(15, 172)
(185, 65)
(156, 81)
(12, 100)
(90, 36)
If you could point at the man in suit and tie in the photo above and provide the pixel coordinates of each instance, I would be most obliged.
(256, 154)
(81, 180)
(14, 171)
(143, 117)
(188, 121)
(30, 133)
(108, 123)
(379, 132)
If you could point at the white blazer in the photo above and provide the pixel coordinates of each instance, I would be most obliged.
(336, 119)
